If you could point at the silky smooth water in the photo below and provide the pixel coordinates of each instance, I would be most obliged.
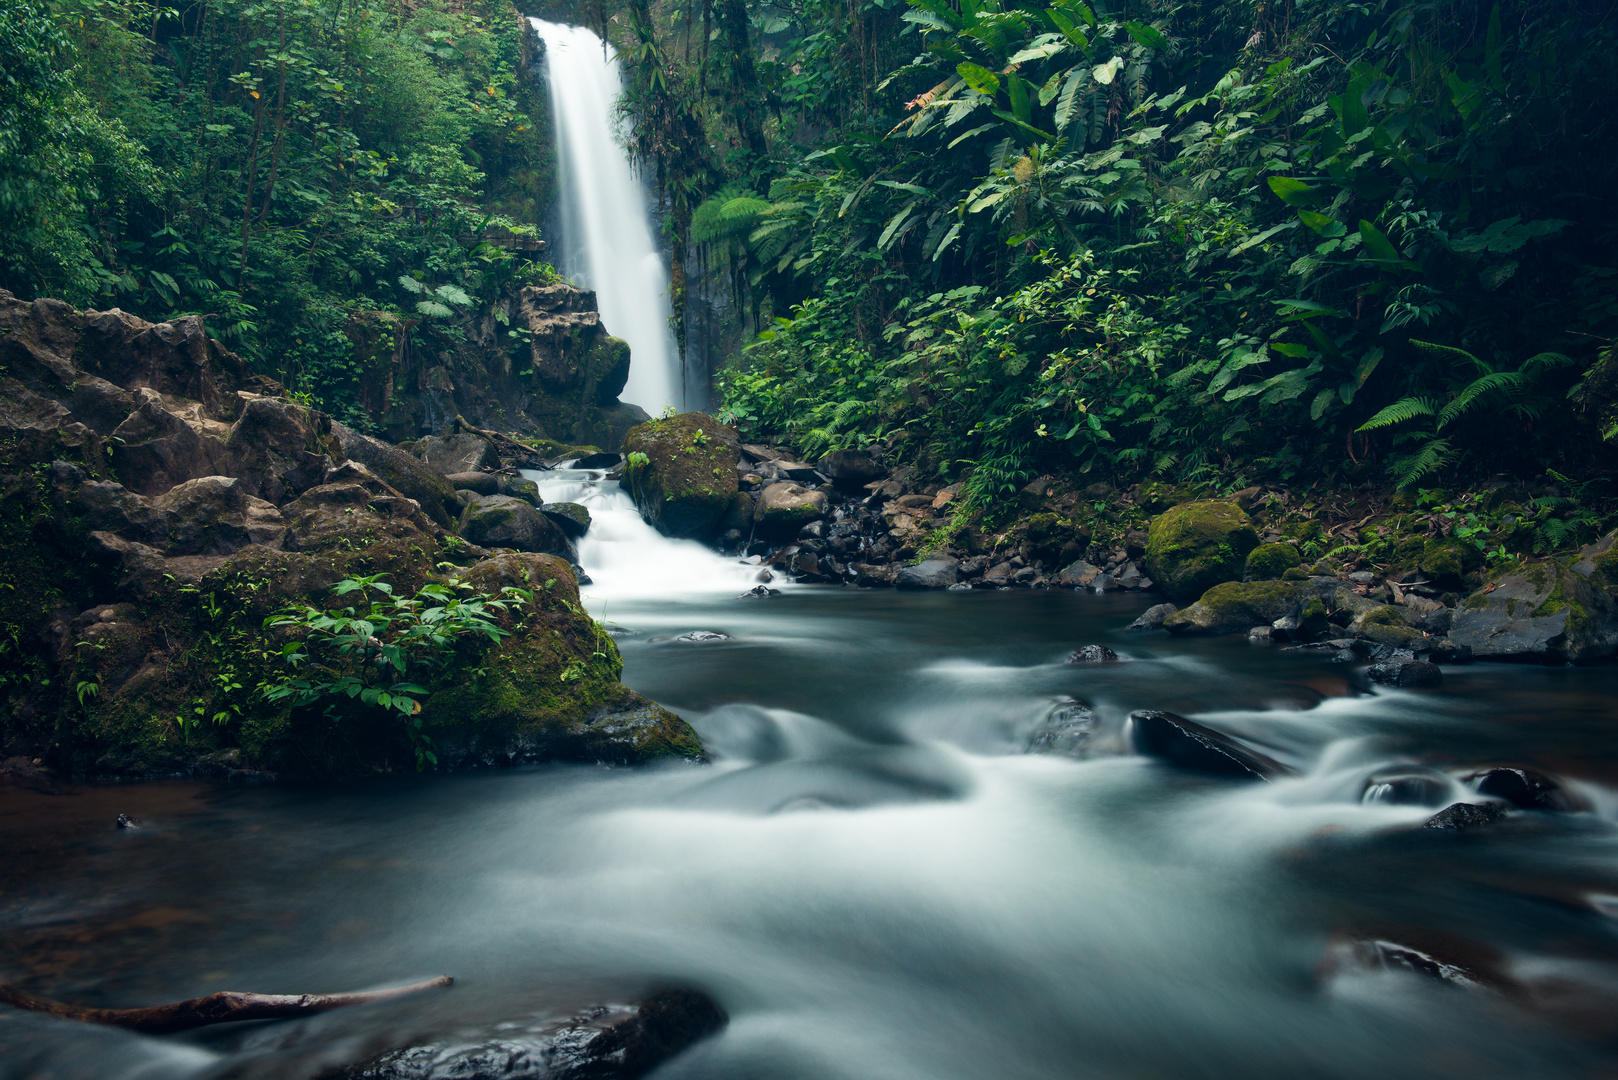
(606, 240)
(872, 876)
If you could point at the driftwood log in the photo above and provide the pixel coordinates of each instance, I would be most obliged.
(224, 1007)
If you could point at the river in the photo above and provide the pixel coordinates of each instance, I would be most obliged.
(873, 877)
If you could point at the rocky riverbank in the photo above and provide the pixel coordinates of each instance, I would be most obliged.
(163, 506)
(1402, 583)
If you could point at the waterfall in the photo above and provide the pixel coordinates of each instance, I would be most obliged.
(606, 240)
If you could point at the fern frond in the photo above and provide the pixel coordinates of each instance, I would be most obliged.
(1429, 459)
(1404, 409)
(1449, 351)
(1546, 361)
(1493, 382)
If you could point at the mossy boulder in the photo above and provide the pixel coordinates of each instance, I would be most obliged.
(1448, 562)
(1238, 606)
(550, 692)
(1544, 611)
(1194, 546)
(681, 473)
(1270, 561)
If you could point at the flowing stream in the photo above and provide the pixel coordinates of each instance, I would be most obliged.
(606, 241)
(873, 877)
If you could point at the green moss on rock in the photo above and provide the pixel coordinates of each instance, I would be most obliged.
(1237, 606)
(1270, 561)
(682, 473)
(1195, 546)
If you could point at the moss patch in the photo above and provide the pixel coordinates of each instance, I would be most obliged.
(1269, 561)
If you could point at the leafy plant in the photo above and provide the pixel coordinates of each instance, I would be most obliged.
(1430, 451)
(365, 651)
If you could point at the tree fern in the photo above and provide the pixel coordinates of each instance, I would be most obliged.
(1404, 409)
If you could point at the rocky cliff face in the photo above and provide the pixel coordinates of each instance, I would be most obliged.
(537, 363)
(159, 502)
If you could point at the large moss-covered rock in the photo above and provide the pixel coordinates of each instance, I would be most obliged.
(1545, 612)
(1237, 606)
(552, 691)
(1194, 546)
(535, 360)
(681, 472)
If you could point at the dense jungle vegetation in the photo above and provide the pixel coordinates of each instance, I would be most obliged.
(1219, 242)
(281, 167)
(1351, 243)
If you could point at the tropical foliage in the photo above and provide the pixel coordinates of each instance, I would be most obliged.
(1193, 242)
(279, 167)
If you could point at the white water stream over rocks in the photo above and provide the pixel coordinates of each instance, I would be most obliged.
(607, 242)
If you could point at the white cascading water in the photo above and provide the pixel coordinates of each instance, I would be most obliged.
(626, 558)
(607, 242)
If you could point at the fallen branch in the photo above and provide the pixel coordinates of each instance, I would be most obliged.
(226, 1006)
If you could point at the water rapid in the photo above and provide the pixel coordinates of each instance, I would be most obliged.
(606, 241)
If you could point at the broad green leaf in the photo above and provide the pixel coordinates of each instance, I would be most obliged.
(1295, 192)
(978, 78)
(1147, 35)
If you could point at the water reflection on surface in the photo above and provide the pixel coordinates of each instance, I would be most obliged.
(873, 877)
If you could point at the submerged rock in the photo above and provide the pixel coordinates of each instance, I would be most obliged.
(607, 1042)
(1196, 545)
(702, 637)
(1397, 671)
(1066, 730)
(1153, 617)
(1410, 788)
(1462, 816)
(1195, 748)
(1523, 788)
(1092, 654)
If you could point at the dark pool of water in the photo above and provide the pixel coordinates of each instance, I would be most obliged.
(873, 877)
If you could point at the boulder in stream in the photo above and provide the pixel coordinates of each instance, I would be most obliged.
(938, 573)
(1194, 748)
(681, 473)
(606, 1042)
(1462, 816)
(1400, 671)
(572, 518)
